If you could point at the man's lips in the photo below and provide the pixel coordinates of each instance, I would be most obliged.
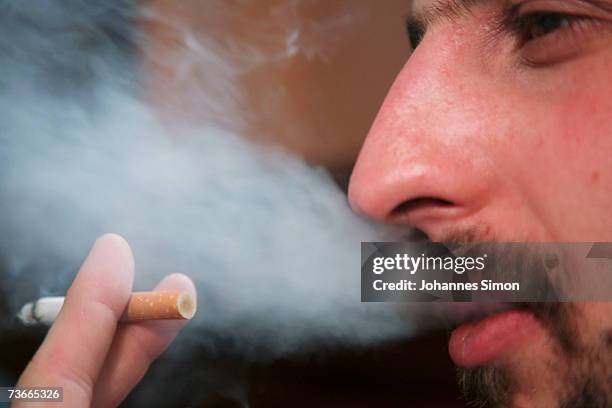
(488, 340)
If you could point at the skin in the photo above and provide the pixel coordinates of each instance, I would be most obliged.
(474, 140)
(86, 352)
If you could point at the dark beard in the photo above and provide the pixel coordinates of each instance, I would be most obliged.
(485, 386)
(489, 387)
(587, 376)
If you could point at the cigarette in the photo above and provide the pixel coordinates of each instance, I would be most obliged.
(161, 305)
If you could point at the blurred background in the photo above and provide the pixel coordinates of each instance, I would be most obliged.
(312, 75)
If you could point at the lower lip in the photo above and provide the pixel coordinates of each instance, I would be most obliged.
(483, 342)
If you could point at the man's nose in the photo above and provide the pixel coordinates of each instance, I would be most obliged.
(424, 161)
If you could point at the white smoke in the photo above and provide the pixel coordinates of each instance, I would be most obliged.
(269, 241)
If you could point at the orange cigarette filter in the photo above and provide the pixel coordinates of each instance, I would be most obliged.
(161, 305)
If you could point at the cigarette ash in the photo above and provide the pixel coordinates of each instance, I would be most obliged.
(269, 241)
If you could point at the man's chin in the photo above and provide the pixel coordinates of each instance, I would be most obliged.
(485, 386)
(493, 387)
(485, 351)
(533, 356)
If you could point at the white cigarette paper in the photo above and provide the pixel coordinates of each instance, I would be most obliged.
(161, 305)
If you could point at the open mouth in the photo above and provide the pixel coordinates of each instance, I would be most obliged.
(492, 332)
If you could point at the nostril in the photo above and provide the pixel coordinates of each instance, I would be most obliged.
(417, 204)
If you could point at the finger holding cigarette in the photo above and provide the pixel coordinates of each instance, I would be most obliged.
(137, 345)
(158, 305)
(96, 360)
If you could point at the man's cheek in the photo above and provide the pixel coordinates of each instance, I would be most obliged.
(584, 139)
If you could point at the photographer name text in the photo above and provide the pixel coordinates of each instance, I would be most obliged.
(435, 286)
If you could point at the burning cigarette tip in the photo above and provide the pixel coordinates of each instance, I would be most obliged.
(160, 305)
(42, 311)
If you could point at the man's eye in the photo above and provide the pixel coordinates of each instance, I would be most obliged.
(538, 25)
(548, 37)
(541, 24)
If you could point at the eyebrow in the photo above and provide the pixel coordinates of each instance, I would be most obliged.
(442, 10)
(451, 10)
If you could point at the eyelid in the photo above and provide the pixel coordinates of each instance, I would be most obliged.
(580, 8)
(579, 38)
(558, 47)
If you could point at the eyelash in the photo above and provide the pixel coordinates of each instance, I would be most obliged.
(523, 26)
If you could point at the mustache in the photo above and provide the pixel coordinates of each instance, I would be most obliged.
(545, 271)
(558, 317)
(468, 235)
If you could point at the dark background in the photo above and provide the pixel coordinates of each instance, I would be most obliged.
(414, 373)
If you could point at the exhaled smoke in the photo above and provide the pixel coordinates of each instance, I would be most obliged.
(270, 242)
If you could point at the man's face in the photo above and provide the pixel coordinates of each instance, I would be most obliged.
(499, 127)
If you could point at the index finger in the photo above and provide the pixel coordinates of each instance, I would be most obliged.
(76, 346)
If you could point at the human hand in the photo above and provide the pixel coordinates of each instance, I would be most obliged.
(95, 360)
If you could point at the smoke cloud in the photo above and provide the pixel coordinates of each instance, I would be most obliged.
(269, 241)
